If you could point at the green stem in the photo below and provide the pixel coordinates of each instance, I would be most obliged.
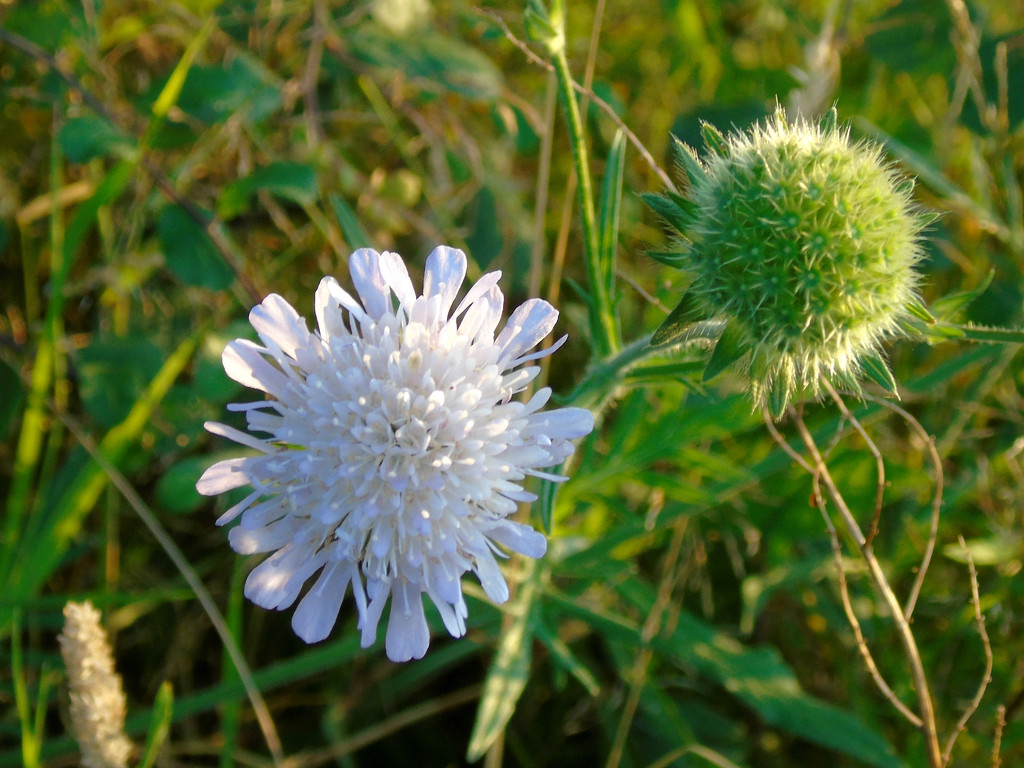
(602, 317)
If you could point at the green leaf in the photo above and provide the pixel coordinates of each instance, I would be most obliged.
(509, 671)
(83, 138)
(778, 399)
(763, 681)
(113, 372)
(188, 251)
(176, 489)
(56, 526)
(159, 725)
(878, 371)
(713, 138)
(686, 158)
(288, 181)
(14, 396)
(675, 326)
(351, 228)
(608, 218)
(731, 347)
(947, 307)
(665, 207)
(673, 259)
(918, 310)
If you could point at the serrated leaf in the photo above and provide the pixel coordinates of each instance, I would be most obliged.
(686, 158)
(731, 347)
(686, 313)
(878, 371)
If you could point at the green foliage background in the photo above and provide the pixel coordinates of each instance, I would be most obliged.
(166, 164)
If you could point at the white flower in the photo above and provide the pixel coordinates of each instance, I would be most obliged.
(396, 450)
(98, 704)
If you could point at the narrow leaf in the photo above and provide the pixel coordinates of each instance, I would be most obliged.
(878, 371)
(673, 215)
(686, 313)
(947, 307)
(351, 227)
(608, 220)
(508, 673)
(159, 725)
(731, 347)
(713, 138)
(686, 158)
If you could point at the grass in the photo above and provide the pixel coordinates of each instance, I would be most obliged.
(166, 165)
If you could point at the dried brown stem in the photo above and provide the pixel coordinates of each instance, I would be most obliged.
(979, 621)
(926, 706)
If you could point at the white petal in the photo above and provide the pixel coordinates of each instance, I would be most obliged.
(407, 636)
(491, 578)
(277, 581)
(520, 538)
(478, 289)
(238, 436)
(566, 423)
(223, 476)
(530, 323)
(452, 614)
(364, 266)
(325, 307)
(238, 509)
(264, 539)
(482, 317)
(317, 612)
(276, 320)
(397, 277)
(244, 362)
(378, 592)
(443, 276)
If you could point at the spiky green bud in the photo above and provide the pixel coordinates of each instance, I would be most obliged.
(805, 243)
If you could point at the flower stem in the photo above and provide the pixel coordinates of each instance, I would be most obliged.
(602, 317)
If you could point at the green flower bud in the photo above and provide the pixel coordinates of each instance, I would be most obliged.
(805, 244)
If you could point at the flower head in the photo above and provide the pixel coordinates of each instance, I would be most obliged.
(395, 450)
(802, 246)
(98, 704)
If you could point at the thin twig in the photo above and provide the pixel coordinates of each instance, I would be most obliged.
(986, 678)
(920, 680)
(851, 615)
(936, 507)
(997, 738)
(879, 462)
(603, 105)
(844, 588)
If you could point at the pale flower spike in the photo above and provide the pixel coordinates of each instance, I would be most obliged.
(395, 452)
(98, 704)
